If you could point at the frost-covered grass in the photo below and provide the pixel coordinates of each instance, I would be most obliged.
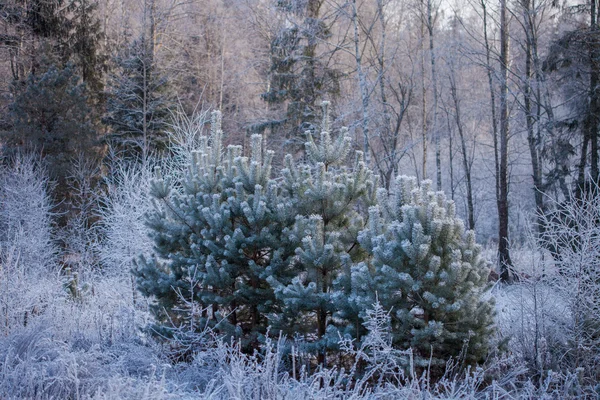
(85, 337)
(38, 364)
(95, 347)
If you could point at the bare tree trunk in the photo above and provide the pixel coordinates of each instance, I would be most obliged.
(547, 105)
(412, 155)
(450, 152)
(581, 167)
(434, 128)
(146, 61)
(393, 164)
(594, 109)
(465, 156)
(310, 53)
(381, 60)
(492, 99)
(532, 138)
(503, 239)
(362, 81)
(424, 99)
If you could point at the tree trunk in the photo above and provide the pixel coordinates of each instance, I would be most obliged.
(532, 138)
(424, 99)
(434, 128)
(362, 82)
(450, 153)
(310, 53)
(492, 100)
(504, 260)
(594, 108)
(465, 156)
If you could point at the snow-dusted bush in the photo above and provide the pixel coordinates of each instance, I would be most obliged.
(185, 136)
(427, 269)
(292, 251)
(552, 316)
(61, 337)
(572, 233)
(126, 201)
(29, 280)
(78, 238)
(533, 316)
(25, 215)
(122, 209)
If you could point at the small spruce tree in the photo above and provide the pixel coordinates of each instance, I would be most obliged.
(428, 271)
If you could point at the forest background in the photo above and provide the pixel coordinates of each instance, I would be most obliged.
(496, 102)
(496, 107)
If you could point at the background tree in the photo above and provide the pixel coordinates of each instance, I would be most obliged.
(504, 261)
(55, 82)
(82, 45)
(301, 73)
(137, 103)
(50, 115)
(575, 53)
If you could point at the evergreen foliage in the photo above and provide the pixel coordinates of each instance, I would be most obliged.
(50, 114)
(44, 17)
(219, 226)
(326, 196)
(300, 73)
(69, 30)
(297, 253)
(81, 44)
(426, 269)
(137, 103)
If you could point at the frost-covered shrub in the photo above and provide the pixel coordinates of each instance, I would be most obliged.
(552, 316)
(264, 251)
(124, 235)
(29, 277)
(25, 298)
(185, 137)
(533, 316)
(25, 215)
(78, 238)
(575, 276)
(126, 200)
(254, 249)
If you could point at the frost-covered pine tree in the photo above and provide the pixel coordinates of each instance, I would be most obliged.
(218, 226)
(326, 195)
(428, 271)
(240, 251)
